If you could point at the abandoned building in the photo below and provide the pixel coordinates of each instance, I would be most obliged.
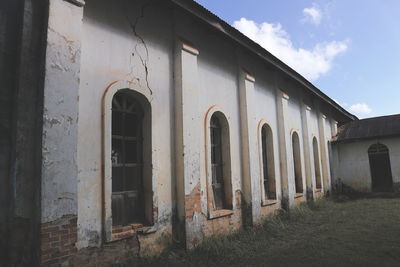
(136, 124)
(366, 154)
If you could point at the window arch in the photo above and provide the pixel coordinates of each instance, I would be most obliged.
(317, 165)
(268, 169)
(378, 148)
(297, 163)
(221, 184)
(131, 183)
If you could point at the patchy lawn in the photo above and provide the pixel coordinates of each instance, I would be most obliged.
(362, 232)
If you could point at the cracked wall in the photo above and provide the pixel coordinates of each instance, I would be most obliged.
(137, 45)
(129, 42)
(60, 118)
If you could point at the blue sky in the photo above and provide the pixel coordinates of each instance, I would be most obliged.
(349, 49)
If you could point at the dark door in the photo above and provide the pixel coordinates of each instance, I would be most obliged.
(381, 172)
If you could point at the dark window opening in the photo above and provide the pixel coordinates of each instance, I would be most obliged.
(217, 163)
(127, 160)
(317, 168)
(381, 172)
(297, 163)
(268, 162)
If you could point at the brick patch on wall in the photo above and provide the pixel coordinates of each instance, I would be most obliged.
(58, 239)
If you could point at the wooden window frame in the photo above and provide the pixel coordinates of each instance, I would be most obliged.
(297, 165)
(150, 186)
(123, 163)
(267, 164)
(317, 164)
(211, 209)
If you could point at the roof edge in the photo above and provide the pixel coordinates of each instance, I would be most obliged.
(205, 15)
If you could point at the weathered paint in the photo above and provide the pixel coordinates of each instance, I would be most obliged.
(60, 118)
(353, 167)
(186, 72)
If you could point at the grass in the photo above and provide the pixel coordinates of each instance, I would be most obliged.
(363, 232)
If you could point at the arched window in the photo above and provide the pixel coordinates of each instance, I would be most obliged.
(268, 169)
(130, 159)
(220, 162)
(317, 166)
(297, 163)
(381, 173)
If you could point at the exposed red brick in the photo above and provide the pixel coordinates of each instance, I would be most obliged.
(58, 240)
(123, 234)
(49, 229)
(193, 202)
(55, 244)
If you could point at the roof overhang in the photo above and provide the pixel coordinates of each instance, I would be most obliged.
(224, 28)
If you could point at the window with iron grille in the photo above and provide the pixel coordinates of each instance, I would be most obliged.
(268, 162)
(127, 160)
(217, 163)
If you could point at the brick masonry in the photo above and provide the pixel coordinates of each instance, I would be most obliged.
(58, 239)
(58, 248)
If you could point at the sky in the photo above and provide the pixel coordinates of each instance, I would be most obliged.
(349, 49)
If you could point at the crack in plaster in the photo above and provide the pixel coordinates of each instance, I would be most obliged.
(135, 32)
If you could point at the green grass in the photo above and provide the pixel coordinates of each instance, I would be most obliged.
(363, 232)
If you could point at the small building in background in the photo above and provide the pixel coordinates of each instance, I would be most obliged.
(366, 154)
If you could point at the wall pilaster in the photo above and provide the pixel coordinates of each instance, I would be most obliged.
(285, 149)
(188, 137)
(250, 162)
(308, 157)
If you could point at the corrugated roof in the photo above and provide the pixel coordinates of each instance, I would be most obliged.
(385, 126)
(220, 25)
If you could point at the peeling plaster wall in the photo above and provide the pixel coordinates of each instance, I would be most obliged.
(353, 167)
(266, 109)
(134, 43)
(296, 126)
(218, 85)
(218, 82)
(59, 147)
(113, 51)
(314, 132)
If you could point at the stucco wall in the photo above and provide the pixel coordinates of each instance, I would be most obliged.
(60, 118)
(185, 70)
(112, 51)
(353, 167)
(266, 110)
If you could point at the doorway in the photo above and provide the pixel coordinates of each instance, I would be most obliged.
(381, 173)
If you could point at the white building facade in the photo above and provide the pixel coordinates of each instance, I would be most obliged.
(366, 153)
(163, 123)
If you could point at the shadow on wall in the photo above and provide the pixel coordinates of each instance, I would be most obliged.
(344, 192)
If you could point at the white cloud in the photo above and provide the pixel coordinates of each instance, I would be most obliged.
(360, 109)
(312, 14)
(309, 63)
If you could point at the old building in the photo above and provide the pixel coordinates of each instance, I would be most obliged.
(161, 123)
(366, 154)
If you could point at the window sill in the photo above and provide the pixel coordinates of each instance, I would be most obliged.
(123, 232)
(298, 195)
(219, 213)
(269, 202)
(318, 190)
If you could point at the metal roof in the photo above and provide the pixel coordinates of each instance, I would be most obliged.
(377, 127)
